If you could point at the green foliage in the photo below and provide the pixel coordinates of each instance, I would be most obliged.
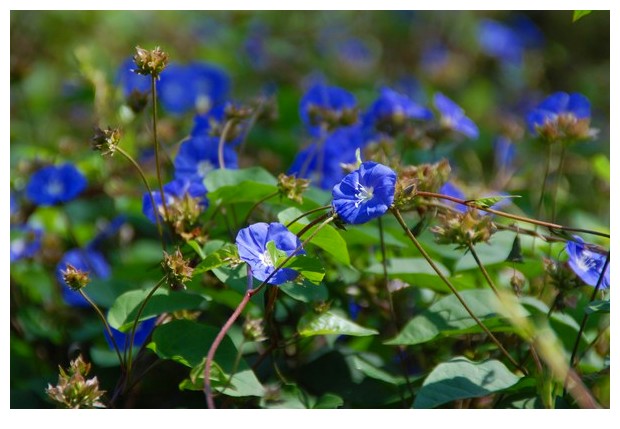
(329, 323)
(578, 14)
(460, 378)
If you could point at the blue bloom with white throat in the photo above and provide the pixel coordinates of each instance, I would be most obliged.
(260, 243)
(588, 265)
(452, 117)
(364, 194)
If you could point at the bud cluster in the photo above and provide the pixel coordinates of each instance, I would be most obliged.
(150, 62)
(292, 187)
(176, 269)
(423, 177)
(566, 127)
(74, 390)
(106, 140)
(74, 278)
(464, 229)
(330, 118)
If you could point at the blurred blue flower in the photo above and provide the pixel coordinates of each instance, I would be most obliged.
(452, 117)
(588, 265)
(87, 260)
(252, 244)
(391, 110)
(356, 54)
(321, 163)
(123, 339)
(198, 155)
(107, 232)
(320, 99)
(504, 151)
(364, 194)
(435, 57)
(174, 191)
(25, 242)
(14, 203)
(204, 123)
(559, 104)
(451, 190)
(500, 41)
(55, 184)
(130, 81)
(182, 88)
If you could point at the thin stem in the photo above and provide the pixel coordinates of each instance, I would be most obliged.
(318, 209)
(556, 183)
(311, 224)
(481, 266)
(258, 203)
(544, 182)
(401, 351)
(107, 327)
(472, 204)
(156, 142)
(244, 302)
(220, 146)
(136, 320)
(251, 123)
(590, 345)
(149, 191)
(417, 244)
(586, 315)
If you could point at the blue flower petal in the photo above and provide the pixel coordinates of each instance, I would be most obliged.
(586, 264)
(55, 184)
(199, 155)
(328, 97)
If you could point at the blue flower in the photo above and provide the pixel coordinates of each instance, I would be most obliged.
(504, 151)
(500, 41)
(391, 110)
(451, 190)
(252, 244)
(55, 184)
(107, 232)
(123, 339)
(25, 242)
(198, 155)
(560, 104)
(453, 117)
(14, 203)
(356, 54)
(322, 162)
(174, 191)
(182, 88)
(364, 194)
(131, 81)
(87, 260)
(587, 264)
(321, 99)
(205, 122)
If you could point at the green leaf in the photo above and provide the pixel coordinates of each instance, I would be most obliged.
(276, 255)
(305, 291)
(237, 186)
(310, 268)
(600, 306)
(217, 258)
(578, 14)
(196, 247)
(487, 202)
(601, 167)
(448, 317)
(461, 378)
(188, 342)
(495, 252)
(328, 238)
(370, 370)
(329, 323)
(328, 401)
(124, 310)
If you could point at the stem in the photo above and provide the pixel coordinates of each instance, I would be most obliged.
(401, 350)
(148, 189)
(251, 123)
(484, 271)
(586, 315)
(557, 183)
(107, 328)
(244, 302)
(544, 183)
(220, 146)
(417, 244)
(135, 323)
(311, 224)
(258, 203)
(472, 204)
(156, 142)
(235, 365)
(318, 209)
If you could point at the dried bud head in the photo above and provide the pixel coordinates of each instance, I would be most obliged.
(74, 278)
(106, 140)
(464, 229)
(292, 187)
(74, 390)
(177, 270)
(150, 62)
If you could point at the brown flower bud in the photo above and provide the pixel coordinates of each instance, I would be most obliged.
(74, 278)
(150, 62)
(106, 141)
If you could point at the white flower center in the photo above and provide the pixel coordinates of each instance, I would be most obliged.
(18, 246)
(363, 194)
(204, 167)
(265, 258)
(585, 262)
(55, 188)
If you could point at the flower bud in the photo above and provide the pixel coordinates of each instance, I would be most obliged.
(253, 330)
(74, 390)
(292, 187)
(150, 62)
(176, 269)
(464, 229)
(74, 278)
(106, 141)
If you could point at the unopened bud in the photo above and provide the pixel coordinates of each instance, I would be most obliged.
(150, 62)
(176, 269)
(74, 278)
(106, 141)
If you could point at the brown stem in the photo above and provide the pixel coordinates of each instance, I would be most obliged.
(258, 203)
(484, 271)
(318, 209)
(472, 204)
(220, 146)
(426, 256)
(157, 167)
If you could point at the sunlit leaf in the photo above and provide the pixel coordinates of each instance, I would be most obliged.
(329, 323)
